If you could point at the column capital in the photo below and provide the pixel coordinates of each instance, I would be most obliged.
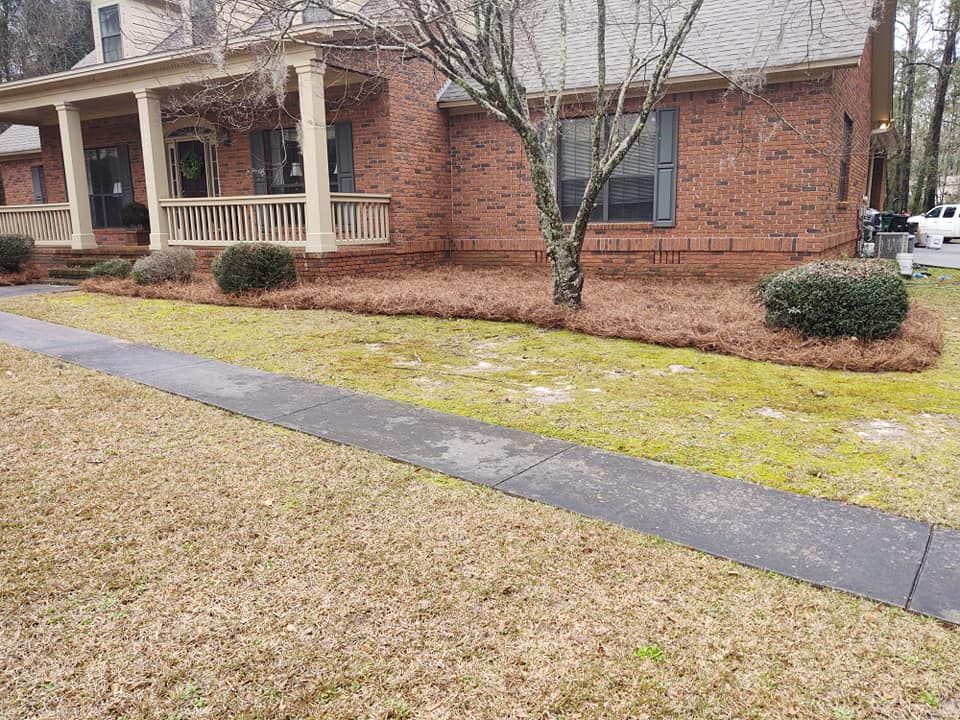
(311, 65)
(146, 94)
(62, 107)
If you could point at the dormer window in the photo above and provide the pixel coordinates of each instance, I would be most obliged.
(110, 38)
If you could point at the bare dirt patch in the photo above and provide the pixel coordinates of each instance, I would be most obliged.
(716, 317)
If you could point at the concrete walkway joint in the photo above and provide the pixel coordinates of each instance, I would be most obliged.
(883, 557)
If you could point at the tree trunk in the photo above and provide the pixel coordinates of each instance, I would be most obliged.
(902, 182)
(931, 168)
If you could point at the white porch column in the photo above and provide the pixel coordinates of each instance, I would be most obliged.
(154, 165)
(75, 172)
(316, 179)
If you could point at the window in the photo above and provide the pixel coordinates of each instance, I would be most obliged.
(935, 213)
(108, 175)
(3, 197)
(845, 147)
(631, 191)
(39, 188)
(278, 160)
(110, 38)
(949, 211)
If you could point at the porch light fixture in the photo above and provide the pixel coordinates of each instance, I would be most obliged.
(296, 169)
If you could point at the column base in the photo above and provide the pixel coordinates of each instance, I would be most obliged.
(321, 242)
(83, 241)
(159, 241)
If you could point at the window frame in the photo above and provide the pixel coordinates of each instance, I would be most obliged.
(339, 134)
(938, 209)
(118, 35)
(603, 198)
(123, 178)
(39, 184)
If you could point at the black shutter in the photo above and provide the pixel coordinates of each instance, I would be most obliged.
(343, 132)
(258, 164)
(126, 182)
(665, 182)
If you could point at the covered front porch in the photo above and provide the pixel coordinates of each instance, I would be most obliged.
(293, 181)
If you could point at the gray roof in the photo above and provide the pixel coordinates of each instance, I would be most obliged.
(728, 35)
(19, 139)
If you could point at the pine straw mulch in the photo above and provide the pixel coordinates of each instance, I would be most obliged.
(711, 316)
(26, 275)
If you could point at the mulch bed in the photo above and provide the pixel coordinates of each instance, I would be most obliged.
(716, 317)
(27, 274)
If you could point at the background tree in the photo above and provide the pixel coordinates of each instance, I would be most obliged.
(38, 37)
(898, 192)
(930, 172)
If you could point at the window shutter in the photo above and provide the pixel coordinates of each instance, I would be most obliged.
(126, 182)
(343, 132)
(258, 164)
(665, 182)
(39, 195)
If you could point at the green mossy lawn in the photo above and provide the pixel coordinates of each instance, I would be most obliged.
(888, 440)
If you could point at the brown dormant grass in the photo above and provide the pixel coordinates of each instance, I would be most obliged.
(716, 317)
(162, 559)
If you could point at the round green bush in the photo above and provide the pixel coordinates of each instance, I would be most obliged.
(15, 250)
(171, 265)
(118, 268)
(865, 299)
(257, 266)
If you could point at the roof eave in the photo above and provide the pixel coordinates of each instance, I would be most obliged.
(702, 81)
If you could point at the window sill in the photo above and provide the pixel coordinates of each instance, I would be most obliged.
(843, 204)
(619, 224)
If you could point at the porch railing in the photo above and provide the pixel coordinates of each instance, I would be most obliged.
(47, 224)
(358, 219)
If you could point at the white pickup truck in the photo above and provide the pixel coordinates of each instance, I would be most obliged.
(942, 220)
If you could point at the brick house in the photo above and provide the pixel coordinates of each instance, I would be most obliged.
(399, 168)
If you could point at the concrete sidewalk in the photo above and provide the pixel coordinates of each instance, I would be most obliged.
(891, 559)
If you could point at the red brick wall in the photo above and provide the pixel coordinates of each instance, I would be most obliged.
(17, 180)
(752, 194)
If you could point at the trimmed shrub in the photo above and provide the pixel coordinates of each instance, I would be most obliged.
(832, 298)
(118, 268)
(256, 266)
(174, 264)
(15, 250)
(135, 215)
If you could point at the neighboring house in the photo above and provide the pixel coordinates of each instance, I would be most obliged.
(409, 172)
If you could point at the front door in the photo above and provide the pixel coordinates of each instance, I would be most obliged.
(192, 169)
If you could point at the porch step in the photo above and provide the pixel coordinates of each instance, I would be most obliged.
(73, 273)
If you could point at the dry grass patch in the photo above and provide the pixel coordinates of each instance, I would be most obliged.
(164, 559)
(717, 317)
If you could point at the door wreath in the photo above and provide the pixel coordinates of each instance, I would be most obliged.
(190, 166)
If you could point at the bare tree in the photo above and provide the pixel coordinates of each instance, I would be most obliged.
(38, 37)
(899, 191)
(493, 49)
(929, 179)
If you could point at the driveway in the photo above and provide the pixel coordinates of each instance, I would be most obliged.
(947, 256)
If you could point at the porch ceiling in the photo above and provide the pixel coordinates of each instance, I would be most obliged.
(101, 94)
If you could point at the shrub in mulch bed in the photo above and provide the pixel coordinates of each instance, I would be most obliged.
(25, 275)
(716, 317)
